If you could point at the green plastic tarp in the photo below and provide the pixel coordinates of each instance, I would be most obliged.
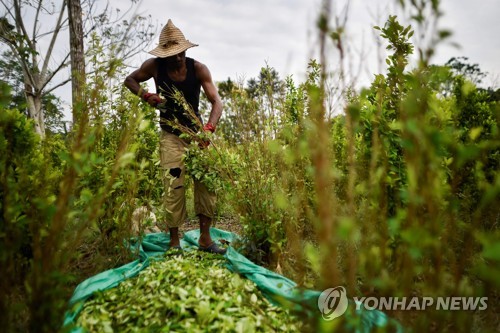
(277, 288)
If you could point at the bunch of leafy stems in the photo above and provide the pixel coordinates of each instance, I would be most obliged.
(190, 134)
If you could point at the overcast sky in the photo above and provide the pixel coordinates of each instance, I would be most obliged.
(237, 38)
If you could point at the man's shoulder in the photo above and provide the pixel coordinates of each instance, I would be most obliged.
(201, 70)
(198, 65)
(151, 61)
(149, 64)
(194, 61)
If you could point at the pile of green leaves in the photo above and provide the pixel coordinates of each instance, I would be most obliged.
(192, 292)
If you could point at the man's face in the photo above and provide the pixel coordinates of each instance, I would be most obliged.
(176, 61)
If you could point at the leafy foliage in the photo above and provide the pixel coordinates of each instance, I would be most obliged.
(188, 293)
(397, 196)
(29, 177)
(413, 173)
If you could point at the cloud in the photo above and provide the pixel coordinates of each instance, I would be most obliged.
(475, 28)
(237, 38)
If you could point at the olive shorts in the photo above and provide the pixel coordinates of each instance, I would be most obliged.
(174, 200)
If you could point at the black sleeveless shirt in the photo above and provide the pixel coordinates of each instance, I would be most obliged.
(190, 88)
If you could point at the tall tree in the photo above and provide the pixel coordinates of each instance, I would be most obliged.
(32, 31)
(36, 73)
(12, 74)
(77, 55)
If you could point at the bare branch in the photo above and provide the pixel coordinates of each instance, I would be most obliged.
(8, 9)
(36, 18)
(53, 40)
(20, 23)
(63, 64)
(60, 84)
(28, 77)
(63, 26)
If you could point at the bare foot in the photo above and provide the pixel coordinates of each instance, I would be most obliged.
(174, 237)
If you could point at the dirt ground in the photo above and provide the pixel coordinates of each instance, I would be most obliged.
(223, 223)
(230, 224)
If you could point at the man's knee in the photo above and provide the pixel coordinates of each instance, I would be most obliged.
(175, 172)
(176, 182)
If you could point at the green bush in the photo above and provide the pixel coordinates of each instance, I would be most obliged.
(29, 177)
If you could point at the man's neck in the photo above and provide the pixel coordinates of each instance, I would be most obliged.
(176, 68)
(177, 72)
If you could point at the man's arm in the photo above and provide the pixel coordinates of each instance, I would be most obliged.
(144, 73)
(210, 90)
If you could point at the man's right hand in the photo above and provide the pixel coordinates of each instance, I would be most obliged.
(152, 99)
(206, 142)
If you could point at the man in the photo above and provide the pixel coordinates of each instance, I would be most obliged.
(173, 72)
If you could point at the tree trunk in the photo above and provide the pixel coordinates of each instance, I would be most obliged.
(35, 111)
(77, 57)
(40, 69)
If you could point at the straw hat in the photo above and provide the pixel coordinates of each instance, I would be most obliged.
(172, 42)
